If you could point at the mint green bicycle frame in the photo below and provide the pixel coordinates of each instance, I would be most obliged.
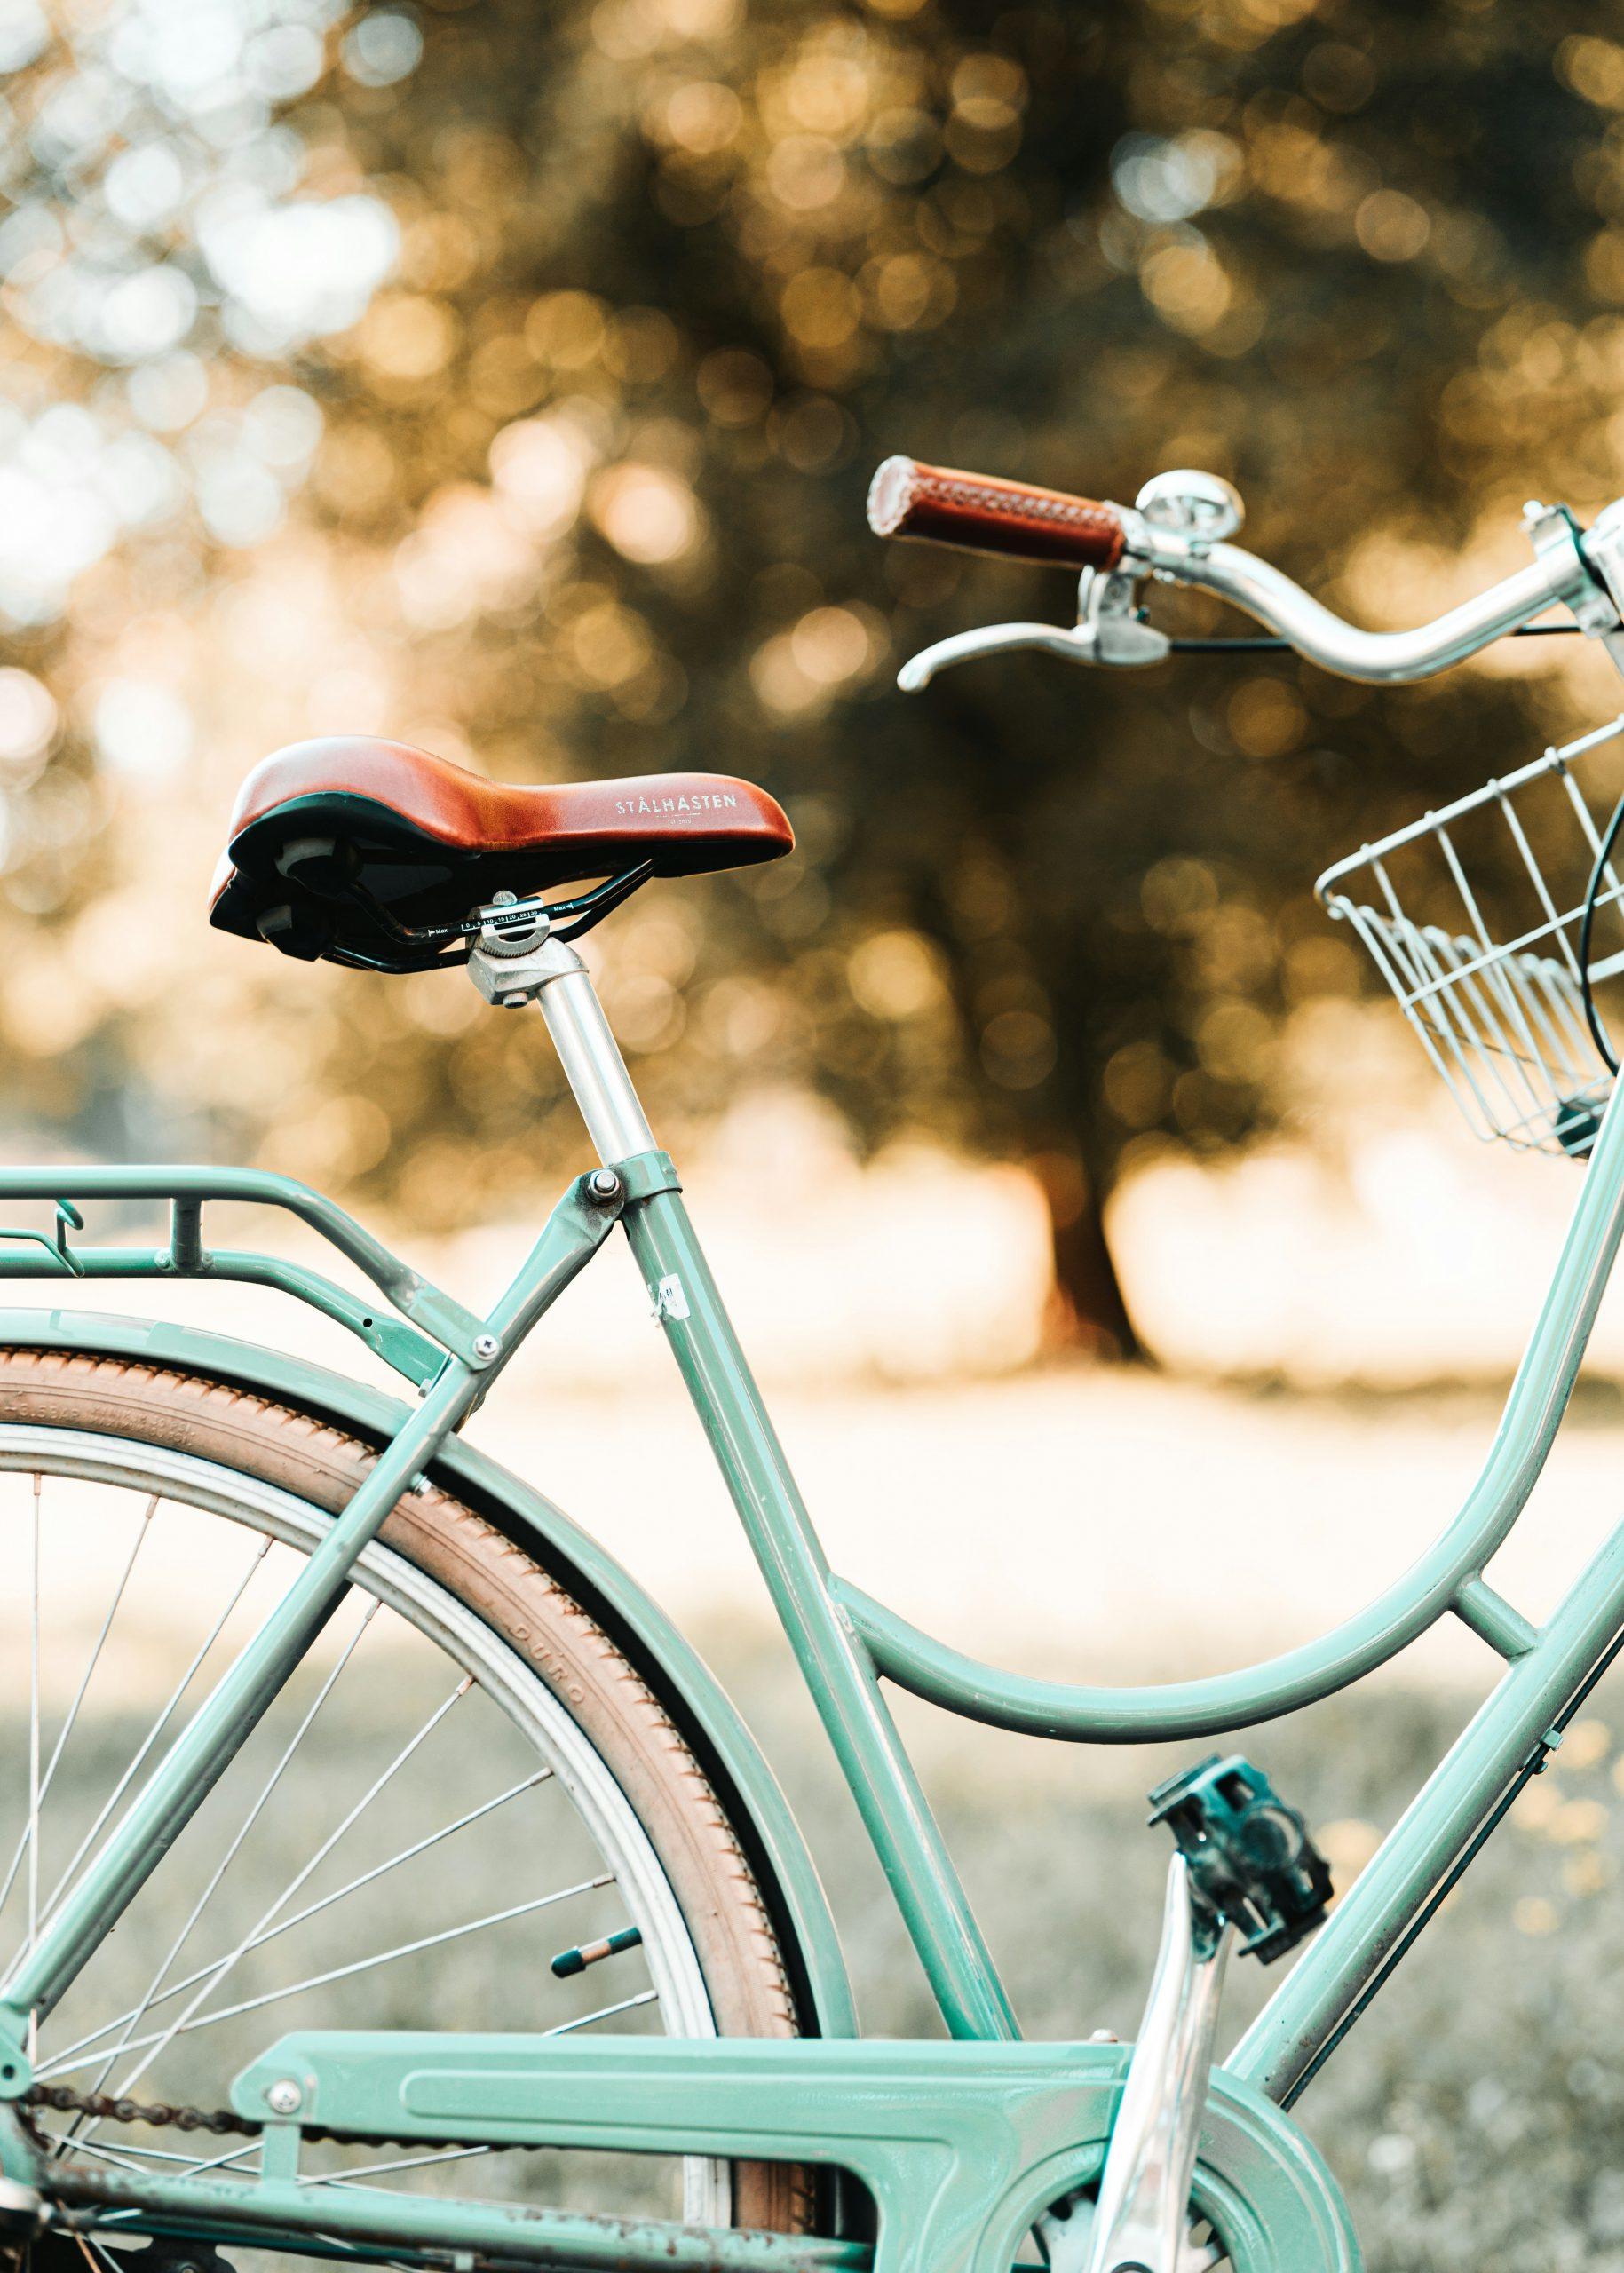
(847, 1646)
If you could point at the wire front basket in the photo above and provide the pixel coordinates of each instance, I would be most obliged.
(1474, 915)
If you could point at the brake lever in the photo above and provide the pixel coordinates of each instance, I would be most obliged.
(1108, 631)
(995, 639)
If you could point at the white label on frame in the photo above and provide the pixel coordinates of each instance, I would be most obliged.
(669, 1301)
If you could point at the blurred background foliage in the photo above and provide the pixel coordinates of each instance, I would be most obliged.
(508, 380)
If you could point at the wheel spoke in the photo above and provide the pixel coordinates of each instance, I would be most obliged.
(222, 2161)
(406, 1855)
(380, 2170)
(193, 2020)
(96, 2257)
(138, 2013)
(151, 1738)
(605, 2013)
(216, 1969)
(131, 2019)
(84, 1683)
(60, 2141)
(406, 1949)
(219, 1971)
(127, 2147)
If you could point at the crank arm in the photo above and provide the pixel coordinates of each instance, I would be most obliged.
(1139, 2224)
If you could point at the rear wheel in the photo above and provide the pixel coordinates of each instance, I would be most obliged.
(464, 1780)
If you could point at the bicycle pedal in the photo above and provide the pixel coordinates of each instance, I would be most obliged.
(1251, 1861)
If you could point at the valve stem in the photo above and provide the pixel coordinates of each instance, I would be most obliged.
(576, 1960)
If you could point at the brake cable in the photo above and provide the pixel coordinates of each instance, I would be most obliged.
(1270, 644)
(1598, 1035)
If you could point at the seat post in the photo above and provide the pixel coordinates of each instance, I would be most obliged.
(511, 971)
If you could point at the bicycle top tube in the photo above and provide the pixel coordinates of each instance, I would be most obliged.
(1177, 533)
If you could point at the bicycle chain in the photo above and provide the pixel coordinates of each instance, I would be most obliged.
(221, 2122)
(162, 2115)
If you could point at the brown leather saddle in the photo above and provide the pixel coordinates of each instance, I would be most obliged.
(375, 854)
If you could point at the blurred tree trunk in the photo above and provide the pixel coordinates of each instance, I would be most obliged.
(1088, 1309)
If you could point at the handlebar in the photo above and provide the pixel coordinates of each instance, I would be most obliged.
(1385, 656)
(1176, 533)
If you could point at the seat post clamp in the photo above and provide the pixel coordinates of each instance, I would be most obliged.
(510, 967)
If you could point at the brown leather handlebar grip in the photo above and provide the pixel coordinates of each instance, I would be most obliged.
(984, 515)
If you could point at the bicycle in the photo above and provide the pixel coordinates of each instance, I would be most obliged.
(674, 1871)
